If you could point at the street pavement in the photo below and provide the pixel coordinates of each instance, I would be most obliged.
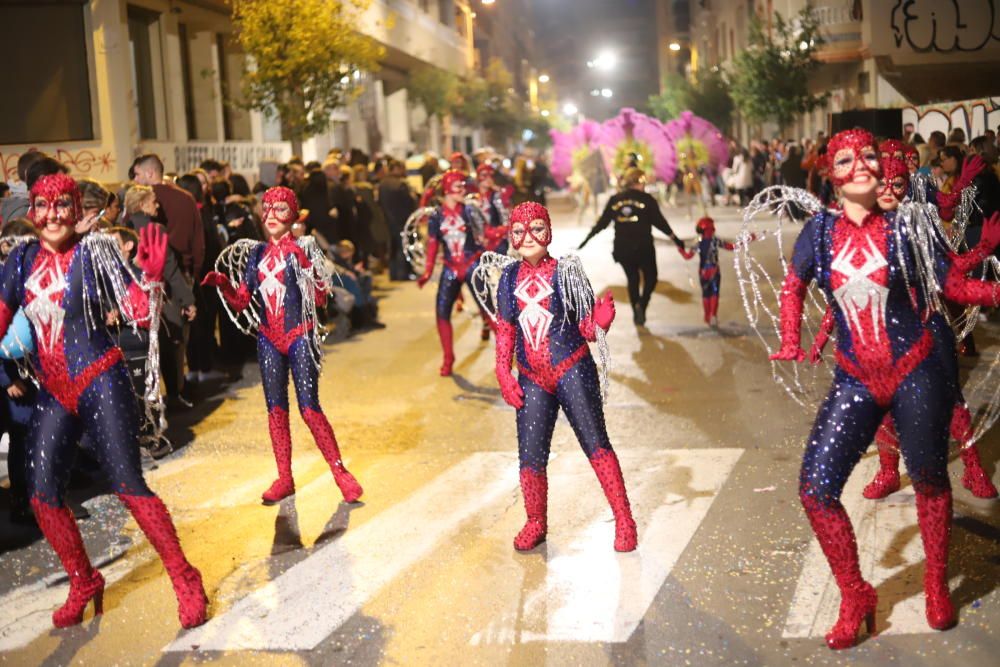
(423, 571)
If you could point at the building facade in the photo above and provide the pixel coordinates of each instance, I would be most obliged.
(116, 78)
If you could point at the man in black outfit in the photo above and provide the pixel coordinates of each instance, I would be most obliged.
(635, 212)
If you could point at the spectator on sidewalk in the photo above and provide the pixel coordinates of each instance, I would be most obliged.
(397, 203)
(179, 213)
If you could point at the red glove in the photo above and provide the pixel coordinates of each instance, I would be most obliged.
(510, 390)
(788, 353)
(152, 253)
(422, 280)
(604, 311)
(971, 168)
(988, 242)
(215, 279)
(685, 253)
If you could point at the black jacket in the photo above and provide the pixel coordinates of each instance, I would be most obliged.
(634, 213)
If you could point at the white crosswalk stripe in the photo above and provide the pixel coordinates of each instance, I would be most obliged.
(891, 557)
(303, 606)
(591, 593)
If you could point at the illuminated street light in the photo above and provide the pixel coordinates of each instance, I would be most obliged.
(605, 60)
(545, 113)
(544, 78)
(570, 109)
(674, 46)
(488, 2)
(606, 92)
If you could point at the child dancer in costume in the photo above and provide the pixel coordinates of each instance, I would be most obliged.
(892, 191)
(495, 204)
(278, 284)
(454, 228)
(65, 284)
(708, 267)
(545, 315)
(885, 363)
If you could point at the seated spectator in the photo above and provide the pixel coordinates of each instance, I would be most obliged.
(358, 281)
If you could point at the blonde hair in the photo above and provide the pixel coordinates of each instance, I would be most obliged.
(135, 196)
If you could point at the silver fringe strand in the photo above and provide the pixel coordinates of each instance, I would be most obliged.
(578, 297)
(414, 236)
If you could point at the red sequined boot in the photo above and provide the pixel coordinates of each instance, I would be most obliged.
(154, 520)
(321, 430)
(447, 349)
(535, 489)
(975, 478)
(858, 598)
(934, 517)
(281, 443)
(85, 583)
(886, 480)
(609, 473)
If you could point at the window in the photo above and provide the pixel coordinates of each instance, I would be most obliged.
(141, 27)
(189, 114)
(235, 121)
(46, 96)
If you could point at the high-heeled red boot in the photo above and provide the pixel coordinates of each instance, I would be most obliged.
(975, 478)
(609, 473)
(447, 348)
(886, 480)
(154, 520)
(281, 443)
(85, 582)
(535, 489)
(934, 518)
(322, 432)
(858, 598)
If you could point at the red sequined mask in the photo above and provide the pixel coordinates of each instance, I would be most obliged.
(453, 182)
(849, 151)
(58, 191)
(523, 223)
(282, 202)
(895, 176)
(890, 148)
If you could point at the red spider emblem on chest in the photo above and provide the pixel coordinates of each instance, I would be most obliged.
(44, 290)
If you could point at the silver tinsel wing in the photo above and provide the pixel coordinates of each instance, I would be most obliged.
(479, 221)
(774, 218)
(232, 262)
(578, 298)
(106, 288)
(486, 280)
(414, 237)
(316, 279)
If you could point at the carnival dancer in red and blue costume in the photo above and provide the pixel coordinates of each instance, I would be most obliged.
(66, 285)
(454, 229)
(885, 363)
(495, 204)
(708, 267)
(279, 284)
(545, 316)
(892, 192)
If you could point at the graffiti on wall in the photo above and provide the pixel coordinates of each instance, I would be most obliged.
(972, 116)
(945, 26)
(81, 163)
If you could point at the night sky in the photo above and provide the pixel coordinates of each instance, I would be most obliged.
(571, 32)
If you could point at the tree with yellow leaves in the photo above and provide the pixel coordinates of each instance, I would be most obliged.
(306, 60)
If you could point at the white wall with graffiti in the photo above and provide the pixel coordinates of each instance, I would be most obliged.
(972, 116)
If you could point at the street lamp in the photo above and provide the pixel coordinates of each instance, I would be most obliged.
(606, 92)
(545, 113)
(544, 78)
(570, 109)
(605, 61)
(488, 2)
(674, 46)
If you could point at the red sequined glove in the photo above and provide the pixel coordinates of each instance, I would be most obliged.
(685, 253)
(152, 253)
(988, 242)
(793, 292)
(604, 311)
(238, 299)
(509, 387)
